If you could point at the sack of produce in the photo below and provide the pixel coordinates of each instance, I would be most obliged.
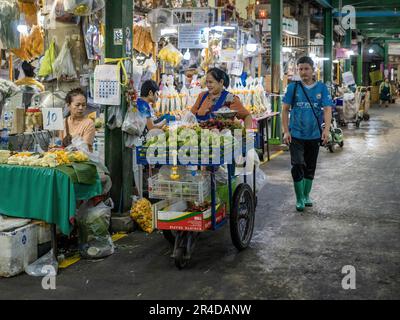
(142, 214)
(93, 224)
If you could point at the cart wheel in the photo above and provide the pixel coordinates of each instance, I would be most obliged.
(169, 236)
(180, 260)
(358, 122)
(242, 217)
(331, 148)
(341, 144)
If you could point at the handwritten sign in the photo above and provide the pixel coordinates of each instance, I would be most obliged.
(53, 119)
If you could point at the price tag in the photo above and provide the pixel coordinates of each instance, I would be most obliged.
(53, 119)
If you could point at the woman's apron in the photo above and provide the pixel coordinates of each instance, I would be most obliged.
(385, 94)
(214, 108)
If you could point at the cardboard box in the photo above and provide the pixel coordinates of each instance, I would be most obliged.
(18, 249)
(175, 217)
(18, 121)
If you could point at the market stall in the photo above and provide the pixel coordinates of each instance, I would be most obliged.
(47, 49)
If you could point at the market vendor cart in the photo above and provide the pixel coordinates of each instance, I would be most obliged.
(240, 207)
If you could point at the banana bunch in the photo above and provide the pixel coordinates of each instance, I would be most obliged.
(4, 155)
(142, 213)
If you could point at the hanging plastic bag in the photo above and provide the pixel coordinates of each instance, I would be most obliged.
(46, 66)
(44, 266)
(115, 118)
(63, 66)
(93, 224)
(134, 123)
(9, 17)
(79, 7)
(98, 5)
(250, 161)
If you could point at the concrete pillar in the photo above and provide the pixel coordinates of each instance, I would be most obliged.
(118, 158)
(305, 24)
(360, 64)
(347, 45)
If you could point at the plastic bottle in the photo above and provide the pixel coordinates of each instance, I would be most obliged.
(4, 140)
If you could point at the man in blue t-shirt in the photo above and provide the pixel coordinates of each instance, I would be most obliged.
(304, 132)
(149, 95)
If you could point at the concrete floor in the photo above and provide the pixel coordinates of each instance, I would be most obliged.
(356, 221)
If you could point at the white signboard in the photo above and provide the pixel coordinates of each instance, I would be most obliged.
(394, 49)
(200, 17)
(107, 88)
(53, 119)
(348, 78)
(290, 26)
(192, 37)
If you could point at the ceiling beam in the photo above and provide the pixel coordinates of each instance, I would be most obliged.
(371, 14)
(371, 3)
(325, 3)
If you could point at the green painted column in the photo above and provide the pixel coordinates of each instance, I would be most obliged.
(360, 64)
(276, 50)
(386, 58)
(328, 47)
(119, 16)
(347, 44)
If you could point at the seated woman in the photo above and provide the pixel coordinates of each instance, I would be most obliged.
(77, 124)
(217, 97)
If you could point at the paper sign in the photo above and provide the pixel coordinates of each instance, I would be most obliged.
(107, 88)
(348, 78)
(236, 68)
(192, 37)
(53, 119)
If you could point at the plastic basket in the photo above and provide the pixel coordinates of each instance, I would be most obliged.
(162, 188)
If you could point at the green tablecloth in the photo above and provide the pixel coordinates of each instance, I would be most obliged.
(42, 194)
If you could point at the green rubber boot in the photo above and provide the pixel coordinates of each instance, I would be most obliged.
(299, 189)
(307, 189)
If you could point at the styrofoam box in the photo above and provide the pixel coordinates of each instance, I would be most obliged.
(44, 232)
(18, 249)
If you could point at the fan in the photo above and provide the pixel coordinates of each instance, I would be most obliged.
(159, 19)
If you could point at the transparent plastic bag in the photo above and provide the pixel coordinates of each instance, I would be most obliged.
(64, 65)
(250, 161)
(79, 7)
(115, 118)
(93, 224)
(44, 266)
(188, 118)
(134, 123)
(9, 17)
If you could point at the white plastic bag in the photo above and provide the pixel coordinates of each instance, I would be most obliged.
(134, 123)
(64, 65)
(93, 224)
(251, 160)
